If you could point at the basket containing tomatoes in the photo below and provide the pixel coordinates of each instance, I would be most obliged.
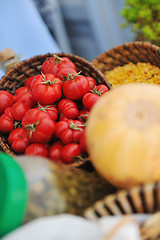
(44, 105)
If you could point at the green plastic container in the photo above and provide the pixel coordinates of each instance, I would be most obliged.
(13, 194)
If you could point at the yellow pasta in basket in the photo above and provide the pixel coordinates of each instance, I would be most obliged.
(134, 73)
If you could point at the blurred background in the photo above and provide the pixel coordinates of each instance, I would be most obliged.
(83, 27)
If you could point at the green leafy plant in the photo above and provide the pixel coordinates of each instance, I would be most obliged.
(144, 18)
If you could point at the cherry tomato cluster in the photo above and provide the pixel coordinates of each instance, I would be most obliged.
(48, 115)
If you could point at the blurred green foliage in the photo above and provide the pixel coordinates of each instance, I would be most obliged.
(144, 18)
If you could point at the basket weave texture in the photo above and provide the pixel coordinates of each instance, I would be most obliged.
(129, 52)
(17, 75)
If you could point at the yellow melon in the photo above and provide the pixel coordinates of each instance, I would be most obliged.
(123, 135)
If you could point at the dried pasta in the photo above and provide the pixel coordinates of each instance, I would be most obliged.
(134, 73)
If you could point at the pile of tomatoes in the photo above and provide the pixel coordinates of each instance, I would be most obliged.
(48, 115)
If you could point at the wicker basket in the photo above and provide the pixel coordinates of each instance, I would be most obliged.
(139, 199)
(143, 199)
(16, 76)
(129, 52)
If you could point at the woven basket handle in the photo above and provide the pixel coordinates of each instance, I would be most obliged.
(8, 59)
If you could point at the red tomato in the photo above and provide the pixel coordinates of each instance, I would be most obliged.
(47, 146)
(9, 113)
(36, 149)
(102, 89)
(18, 140)
(18, 110)
(70, 152)
(69, 131)
(83, 115)
(22, 90)
(83, 143)
(68, 108)
(65, 62)
(51, 110)
(63, 118)
(46, 89)
(28, 81)
(75, 87)
(55, 151)
(63, 72)
(92, 82)
(26, 98)
(6, 123)
(52, 64)
(89, 99)
(49, 66)
(6, 100)
(39, 125)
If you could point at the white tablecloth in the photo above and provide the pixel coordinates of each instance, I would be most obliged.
(70, 227)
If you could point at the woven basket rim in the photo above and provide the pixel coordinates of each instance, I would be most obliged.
(49, 54)
(132, 44)
(24, 62)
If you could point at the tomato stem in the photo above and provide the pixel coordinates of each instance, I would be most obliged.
(31, 127)
(40, 107)
(71, 76)
(47, 82)
(76, 127)
(99, 93)
(80, 157)
(83, 119)
(17, 124)
(57, 59)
